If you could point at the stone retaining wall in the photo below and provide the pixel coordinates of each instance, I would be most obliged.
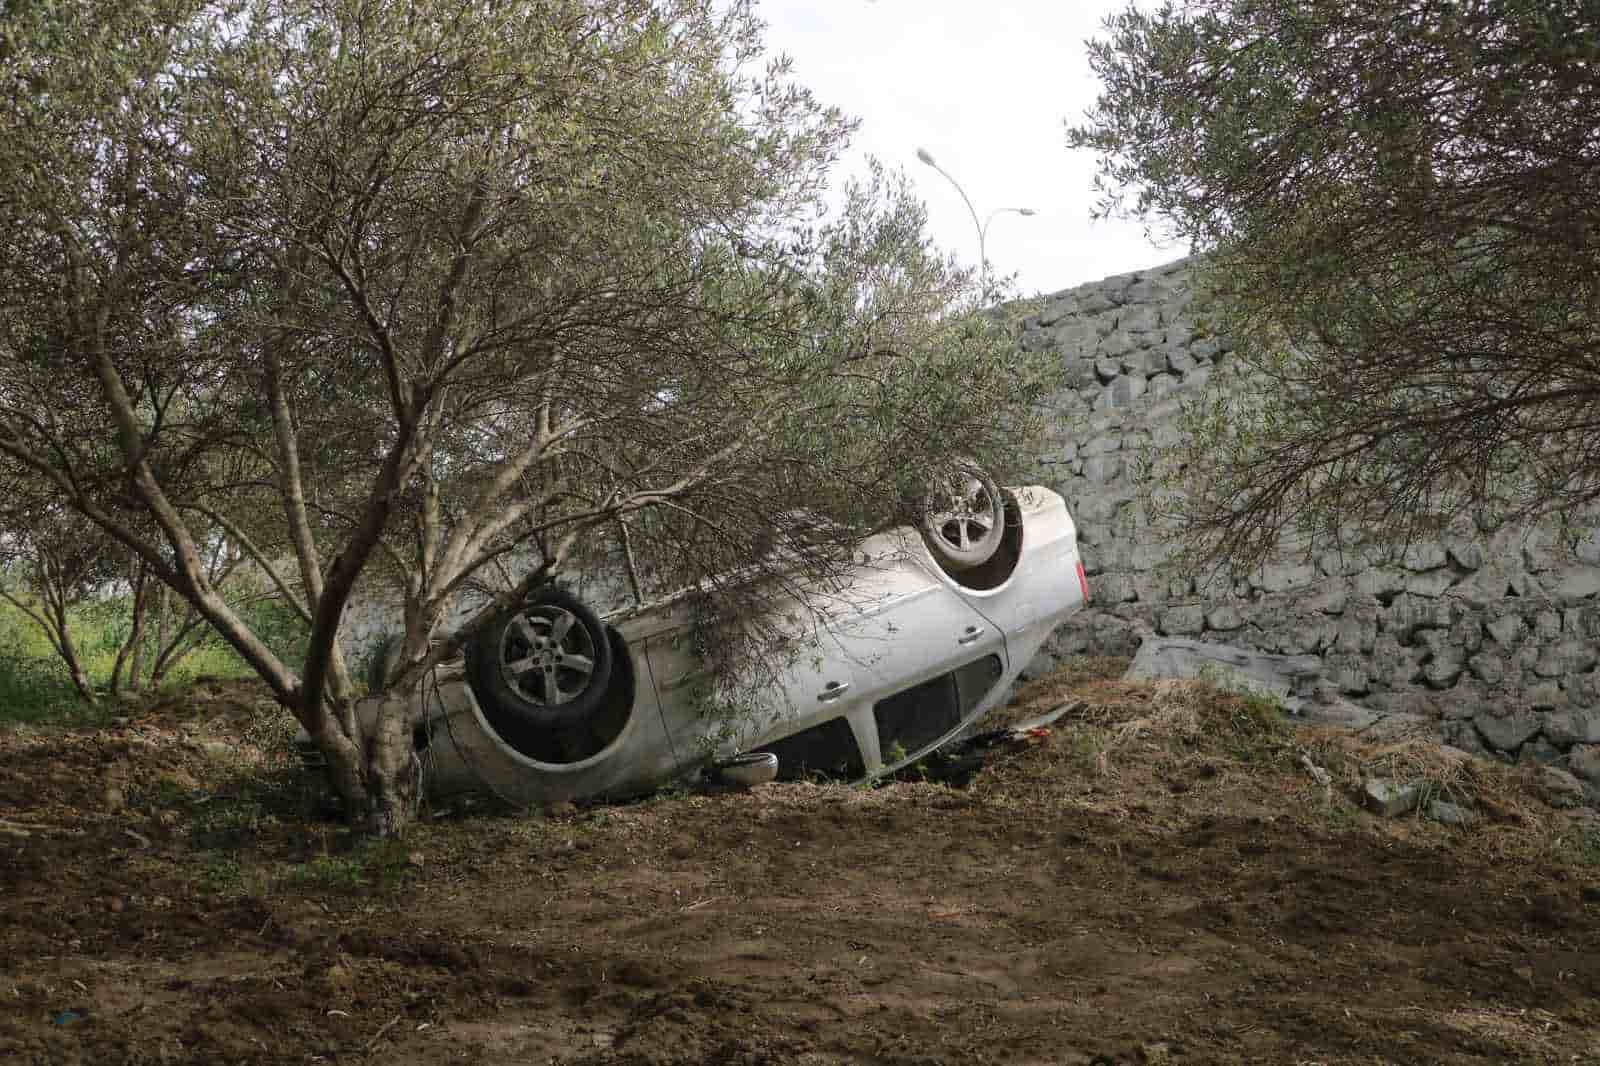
(1497, 637)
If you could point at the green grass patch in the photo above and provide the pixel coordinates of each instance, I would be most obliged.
(35, 690)
(35, 687)
(373, 867)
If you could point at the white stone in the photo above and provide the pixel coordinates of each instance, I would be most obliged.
(1224, 619)
(1570, 727)
(1234, 667)
(1507, 732)
(1389, 799)
(1578, 583)
(1467, 554)
(1280, 577)
(1487, 667)
(1424, 556)
(1505, 631)
(1183, 620)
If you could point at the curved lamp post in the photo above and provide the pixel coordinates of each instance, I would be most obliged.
(925, 156)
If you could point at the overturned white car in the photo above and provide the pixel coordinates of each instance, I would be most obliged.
(923, 637)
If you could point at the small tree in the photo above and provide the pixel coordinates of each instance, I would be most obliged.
(149, 655)
(1399, 199)
(52, 564)
(401, 291)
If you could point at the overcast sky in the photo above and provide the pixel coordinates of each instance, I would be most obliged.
(985, 87)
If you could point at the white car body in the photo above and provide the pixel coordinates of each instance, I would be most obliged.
(904, 658)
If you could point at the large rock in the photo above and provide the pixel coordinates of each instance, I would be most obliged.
(1566, 728)
(1280, 577)
(1577, 583)
(1251, 671)
(1386, 798)
(1538, 751)
(1224, 619)
(1487, 667)
(1462, 736)
(1509, 731)
(1183, 618)
(1506, 630)
(1558, 788)
(1584, 762)
(1348, 673)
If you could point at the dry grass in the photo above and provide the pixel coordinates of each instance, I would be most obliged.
(1492, 792)
(1065, 684)
(1173, 748)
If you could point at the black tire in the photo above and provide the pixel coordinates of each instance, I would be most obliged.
(548, 664)
(964, 519)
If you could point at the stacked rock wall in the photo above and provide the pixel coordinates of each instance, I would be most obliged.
(1496, 636)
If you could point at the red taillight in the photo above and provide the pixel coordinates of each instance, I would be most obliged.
(1083, 582)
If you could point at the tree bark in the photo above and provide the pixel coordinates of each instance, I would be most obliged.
(392, 770)
(175, 647)
(163, 632)
(69, 655)
(131, 654)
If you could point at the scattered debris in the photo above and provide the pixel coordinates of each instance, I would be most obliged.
(957, 763)
(390, 1024)
(27, 829)
(1318, 774)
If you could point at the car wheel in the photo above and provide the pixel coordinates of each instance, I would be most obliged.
(964, 518)
(548, 664)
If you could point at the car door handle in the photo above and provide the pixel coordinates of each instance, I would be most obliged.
(969, 635)
(832, 691)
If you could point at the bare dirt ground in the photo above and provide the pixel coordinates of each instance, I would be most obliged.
(1156, 880)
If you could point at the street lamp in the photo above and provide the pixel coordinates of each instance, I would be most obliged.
(925, 156)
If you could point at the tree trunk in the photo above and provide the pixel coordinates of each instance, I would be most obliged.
(134, 645)
(393, 773)
(141, 600)
(174, 647)
(376, 778)
(163, 617)
(69, 655)
(159, 668)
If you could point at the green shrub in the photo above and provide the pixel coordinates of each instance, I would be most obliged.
(34, 685)
(33, 689)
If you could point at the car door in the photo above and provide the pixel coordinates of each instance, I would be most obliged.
(885, 630)
(810, 682)
(900, 630)
(907, 627)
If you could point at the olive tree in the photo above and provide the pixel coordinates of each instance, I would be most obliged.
(48, 569)
(1399, 202)
(416, 293)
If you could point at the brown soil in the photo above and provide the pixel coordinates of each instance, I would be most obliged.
(1156, 880)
